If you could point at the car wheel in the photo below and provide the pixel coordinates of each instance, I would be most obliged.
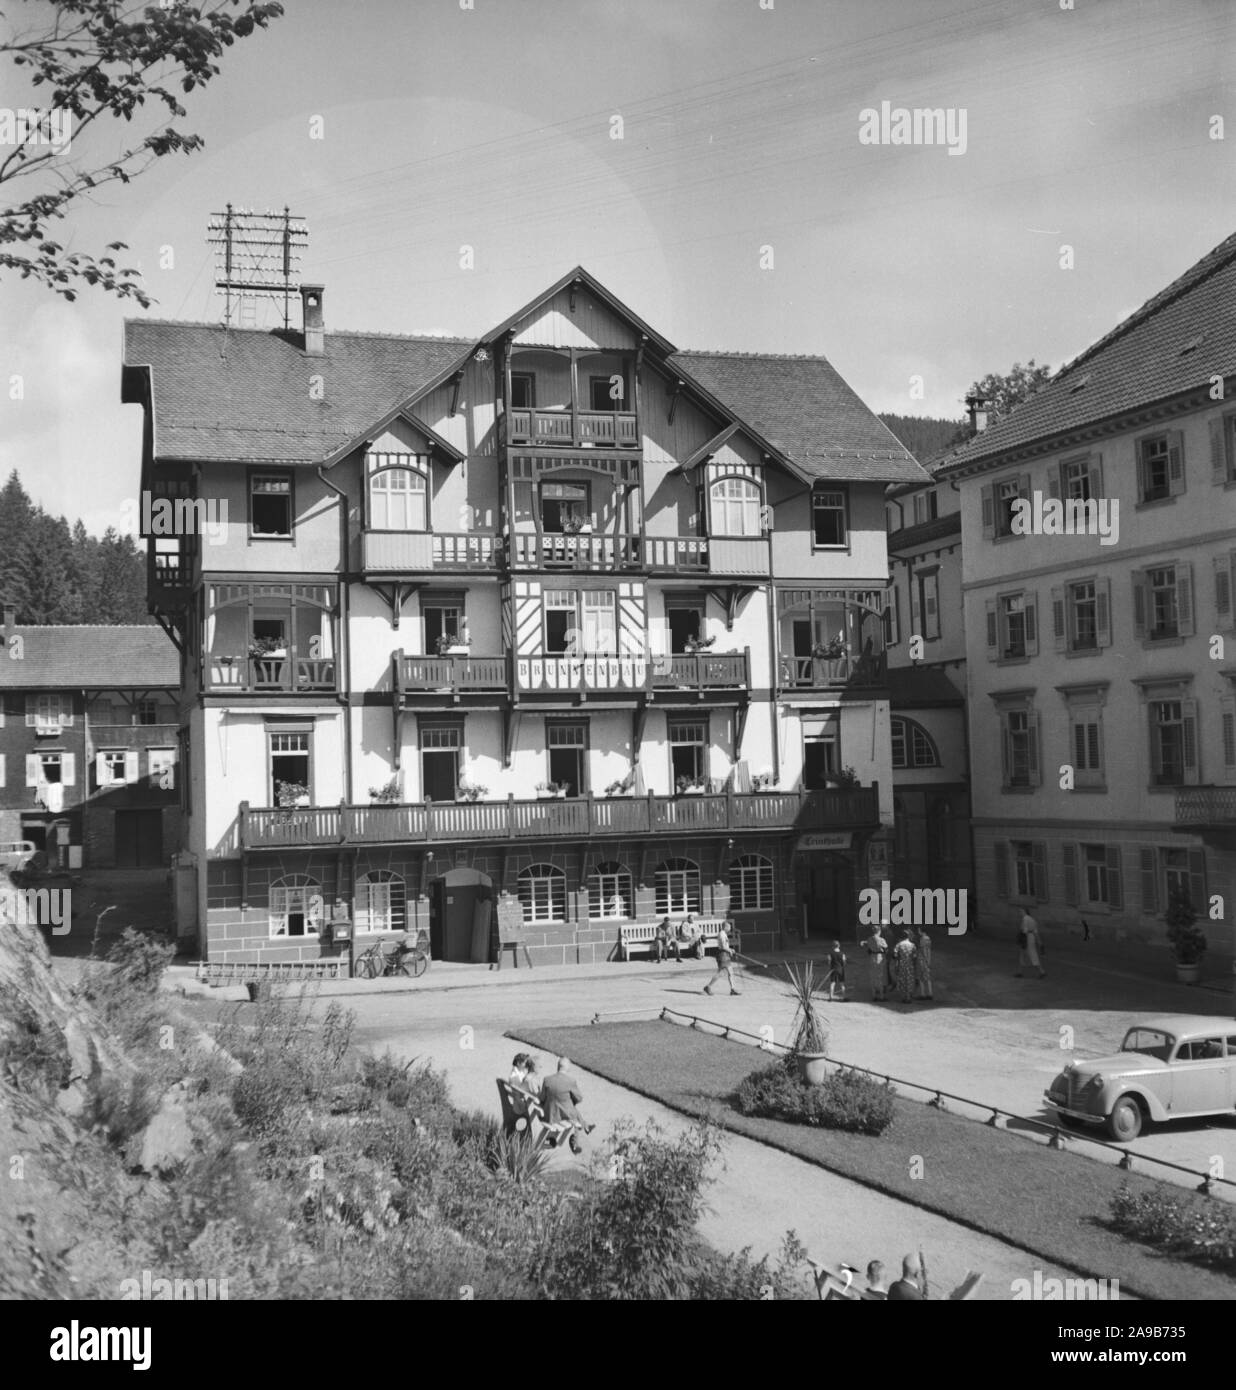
(1125, 1121)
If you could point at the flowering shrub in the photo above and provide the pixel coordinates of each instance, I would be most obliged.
(1204, 1232)
(847, 1100)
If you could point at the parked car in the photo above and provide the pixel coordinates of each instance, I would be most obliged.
(1179, 1066)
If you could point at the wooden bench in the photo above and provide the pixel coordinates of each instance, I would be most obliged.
(521, 1110)
(703, 934)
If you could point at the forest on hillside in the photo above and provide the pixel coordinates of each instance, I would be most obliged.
(51, 572)
(924, 436)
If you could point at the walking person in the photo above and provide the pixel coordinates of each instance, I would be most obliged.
(836, 972)
(903, 966)
(725, 962)
(876, 946)
(1029, 944)
(922, 963)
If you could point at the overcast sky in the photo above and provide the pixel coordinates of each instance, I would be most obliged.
(492, 128)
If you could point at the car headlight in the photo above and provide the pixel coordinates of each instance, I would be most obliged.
(1095, 1081)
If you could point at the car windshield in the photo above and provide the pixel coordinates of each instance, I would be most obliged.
(1150, 1041)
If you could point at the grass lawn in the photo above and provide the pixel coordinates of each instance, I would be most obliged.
(1046, 1201)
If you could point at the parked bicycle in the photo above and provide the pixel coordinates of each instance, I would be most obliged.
(391, 958)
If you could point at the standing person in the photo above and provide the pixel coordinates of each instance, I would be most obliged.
(560, 1095)
(1028, 945)
(876, 946)
(836, 971)
(725, 961)
(903, 966)
(922, 963)
(908, 1289)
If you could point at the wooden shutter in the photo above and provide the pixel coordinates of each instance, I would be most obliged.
(1197, 882)
(1175, 463)
(1218, 451)
(1229, 737)
(1139, 603)
(989, 511)
(68, 769)
(1023, 486)
(1039, 852)
(1033, 726)
(1102, 611)
(101, 774)
(1030, 604)
(1184, 599)
(1188, 710)
(1223, 589)
(1148, 874)
(34, 769)
(1096, 475)
(1001, 849)
(993, 631)
(132, 765)
(1059, 633)
(1069, 854)
(916, 608)
(1115, 888)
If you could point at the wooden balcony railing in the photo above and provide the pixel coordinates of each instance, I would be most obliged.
(578, 551)
(618, 674)
(616, 428)
(820, 672)
(453, 672)
(703, 671)
(290, 674)
(577, 817)
(736, 555)
(676, 553)
(1206, 808)
(446, 551)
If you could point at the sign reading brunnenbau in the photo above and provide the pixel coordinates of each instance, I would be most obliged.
(914, 907)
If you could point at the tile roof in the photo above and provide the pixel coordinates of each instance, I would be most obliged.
(921, 687)
(919, 534)
(92, 658)
(1174, 343)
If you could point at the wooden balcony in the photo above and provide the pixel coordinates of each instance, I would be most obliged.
(703, 671)
(573, 429)
(718, 555)
(578, 551)
(577, 817)
(454, 674)
(1206, 808)
(841, 672)
(292, 674)
(617, 675)
(446, 552)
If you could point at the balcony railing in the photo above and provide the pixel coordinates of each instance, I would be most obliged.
(577, 817)
(574, 552)
(453, 672)
(613, 428)
(289, 674)
(676, 553)
(447, 551)
(703, 671)
(1207, 808)
(736, 555)
(618, 674)
(820, 672)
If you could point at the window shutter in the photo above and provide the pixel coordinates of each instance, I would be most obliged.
(1139, 604)
(1229, 736)
(993, 636)
(1175, 463)
(1197, 882)
(34, 769)
(1188, 709)
(1102, 611)
(1032, 624)
(1057, 620)
(1184, 599)
(989, 512)
(894, 610)
(1032, 747)
(1002, 868)
(1069, 853)
(132, 766)
(916, 608)
(101, 774)
(1039, 851)
(1096, 475)
(1055, 482)
(1, 769)
(1148, 873)
(1115, 888)
(1218, 452)
(31, 711)
(68, 769)
(1223, 589)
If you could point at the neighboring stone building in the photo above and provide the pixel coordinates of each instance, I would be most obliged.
(88, 744)
(1102, 676)
(559, 626)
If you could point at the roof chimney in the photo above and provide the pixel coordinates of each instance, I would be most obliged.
(315, 327)
(978, 416)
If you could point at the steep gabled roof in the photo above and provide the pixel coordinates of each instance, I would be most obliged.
(92, 658)
(1177, 341)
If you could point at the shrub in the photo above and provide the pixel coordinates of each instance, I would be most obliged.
(475, 1132)
(847, 1100)
(519, 1157)
(1204, 1232)
(122, 1108)
(724, 1278)
(33, 1052)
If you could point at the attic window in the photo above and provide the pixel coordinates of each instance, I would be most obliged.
(1193, 344)
(1080, 384)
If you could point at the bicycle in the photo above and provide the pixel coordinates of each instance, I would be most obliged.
(403, 959)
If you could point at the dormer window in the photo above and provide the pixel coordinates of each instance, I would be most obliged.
(398, 492)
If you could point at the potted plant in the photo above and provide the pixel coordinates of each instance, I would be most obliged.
(1187, 939)
(551, 788)
(809, 1047)
(689, 786)
(290, 795)
(385, 795)
(262, 648)
(450, 644)
(846, 780)
(621, 787)
(763, 782)
(470, 791)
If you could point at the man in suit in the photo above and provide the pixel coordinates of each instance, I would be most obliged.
(908, 1289)
(560, 1095)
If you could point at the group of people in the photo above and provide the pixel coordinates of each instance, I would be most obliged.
(554, 1101)
(899, 961)
(910, 1288)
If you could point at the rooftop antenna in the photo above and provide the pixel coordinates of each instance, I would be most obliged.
(257, 255)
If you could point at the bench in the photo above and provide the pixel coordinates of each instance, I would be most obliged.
(702, 936)
(840, 1283)
(520, 1110)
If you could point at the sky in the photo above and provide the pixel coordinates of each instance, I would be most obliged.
(738, 210)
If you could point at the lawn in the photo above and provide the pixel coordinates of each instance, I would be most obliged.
(1048, 1202)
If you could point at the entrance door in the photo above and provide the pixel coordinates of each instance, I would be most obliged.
(139, 839)
(457, 902)
(830, 898)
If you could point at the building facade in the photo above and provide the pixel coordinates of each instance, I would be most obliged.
(526, 637)
(89, 728)
(1099, 530)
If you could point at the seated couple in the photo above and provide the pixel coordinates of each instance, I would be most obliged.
(553, 1101)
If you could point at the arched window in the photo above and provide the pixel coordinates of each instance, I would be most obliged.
(381, 902)
(677, 885)
(912, 745)
(735, 509)
(398, 492)
(295, 906)
(751, 884)
(609, 892)
(542, 893)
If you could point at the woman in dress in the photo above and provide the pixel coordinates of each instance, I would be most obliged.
(903, 966)
(922, 963)
(876, 946)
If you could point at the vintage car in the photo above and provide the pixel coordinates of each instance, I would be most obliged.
(1179, 1066)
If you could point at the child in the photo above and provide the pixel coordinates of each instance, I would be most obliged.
(836, 972)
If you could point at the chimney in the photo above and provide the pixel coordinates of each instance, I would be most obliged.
(315, 328)
(978, 416)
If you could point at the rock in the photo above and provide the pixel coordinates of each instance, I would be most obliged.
(167, 1141)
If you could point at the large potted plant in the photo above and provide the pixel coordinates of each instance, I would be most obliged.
(1187, 939)
(809, 1045)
